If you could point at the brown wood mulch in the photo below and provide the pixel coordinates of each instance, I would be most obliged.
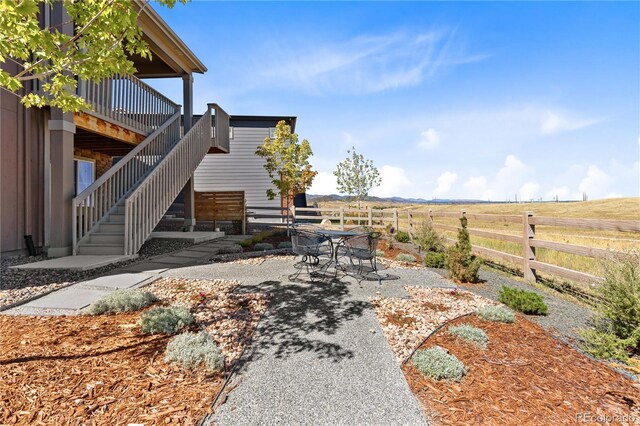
(391, 253)
(101, 370)
(94, 370)
(524, 377)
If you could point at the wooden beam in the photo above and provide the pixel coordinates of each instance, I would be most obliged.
(93, 124)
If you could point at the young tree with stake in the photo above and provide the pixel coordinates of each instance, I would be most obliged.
(356, 176)
(287, 162)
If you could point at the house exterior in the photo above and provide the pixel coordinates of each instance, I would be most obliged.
(241, 169)
(97, 182)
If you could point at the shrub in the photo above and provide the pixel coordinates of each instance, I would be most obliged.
(402, 237)
(380, 253)
(496, 314)
(434, 259)
(404, 257)
(121, 301)
(165, 320)
(428, 238)
(262, 247)
(284, 245)
(469, 333)
(234, 248)
(524, 301)
(438, 364)
(190, 350)
(463, 266)
(617, 321)
(606, 345)
(245, 243)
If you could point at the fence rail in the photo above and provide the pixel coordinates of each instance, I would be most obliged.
(406, 219)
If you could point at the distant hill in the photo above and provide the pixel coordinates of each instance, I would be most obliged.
(311, 198)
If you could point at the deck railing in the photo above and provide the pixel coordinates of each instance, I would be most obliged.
(127, 102)
(92, 204)
(146, 205)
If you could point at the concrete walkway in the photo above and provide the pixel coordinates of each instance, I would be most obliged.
(70, 300)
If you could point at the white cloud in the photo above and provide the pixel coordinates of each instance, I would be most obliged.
(613, 195)
(429, 139)
(476, 183)
(513, 170)
(596, 183)
(556, 122)
(324, 184)
(394, 182)
(445, 181)
(364, 64)
(529, 191)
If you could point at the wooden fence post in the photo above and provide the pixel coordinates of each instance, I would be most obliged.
(342, 218)
(293, 214)
(410, 221)
(395, 220)
(528, 252)
(370, 216)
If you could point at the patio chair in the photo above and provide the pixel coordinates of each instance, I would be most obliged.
(358, 250)
(315, 249)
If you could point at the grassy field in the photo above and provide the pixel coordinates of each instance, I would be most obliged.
(618, 209)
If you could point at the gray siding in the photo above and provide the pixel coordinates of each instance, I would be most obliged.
(240, 170)
(21, 172)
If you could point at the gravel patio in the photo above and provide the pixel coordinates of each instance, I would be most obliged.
(319, 354)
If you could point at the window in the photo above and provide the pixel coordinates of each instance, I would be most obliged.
(230, 132)
(272, 132)
(85, 174)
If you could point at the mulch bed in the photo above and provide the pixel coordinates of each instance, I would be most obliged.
(274, 240)
(398, 248)
(94, 370)
(103, 370)
(228, 317)
(407, 322)
(525, 376)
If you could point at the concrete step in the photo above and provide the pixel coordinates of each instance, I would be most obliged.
(115, 218)
(100, 249)
(112, 227)
(120, 210)
(106, 238)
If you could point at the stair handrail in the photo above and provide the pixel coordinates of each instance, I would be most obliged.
(94, 202)
(145, 206)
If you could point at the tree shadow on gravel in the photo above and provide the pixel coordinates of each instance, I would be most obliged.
(299, 316)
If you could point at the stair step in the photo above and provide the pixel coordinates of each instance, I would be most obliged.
(108, 227)
(106, 238)
(120, 210)
(100, 249)
(115, 218)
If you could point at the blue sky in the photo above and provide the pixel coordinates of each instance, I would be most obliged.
(450, 100)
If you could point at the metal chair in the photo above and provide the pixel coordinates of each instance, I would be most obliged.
(315, 249)
(359, 249)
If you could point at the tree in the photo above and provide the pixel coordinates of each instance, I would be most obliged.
(106, 35)
(462, 264)
(287, 162)
(356, 176)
